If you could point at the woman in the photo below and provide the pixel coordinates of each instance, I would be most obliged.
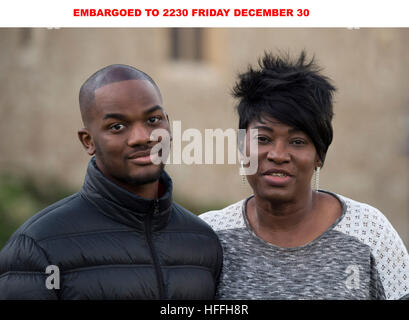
(289, 241)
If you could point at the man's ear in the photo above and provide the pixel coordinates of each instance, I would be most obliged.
(87, 141)
(170, 131)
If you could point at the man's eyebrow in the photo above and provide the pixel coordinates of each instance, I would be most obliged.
(121, 116)
(114, 116)
(153, 109)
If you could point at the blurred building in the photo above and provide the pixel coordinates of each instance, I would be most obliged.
(42, 70)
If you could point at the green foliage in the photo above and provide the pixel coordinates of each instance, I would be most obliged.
(21, 196)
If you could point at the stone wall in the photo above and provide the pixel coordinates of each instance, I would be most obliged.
(42, 70)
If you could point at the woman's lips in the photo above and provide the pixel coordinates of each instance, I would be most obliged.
(277, 180)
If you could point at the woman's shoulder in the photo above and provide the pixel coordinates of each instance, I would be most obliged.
(362, 215)
(230, 217)
(368, 224)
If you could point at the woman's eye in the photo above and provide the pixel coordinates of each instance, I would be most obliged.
(262, 139)
(297, 141)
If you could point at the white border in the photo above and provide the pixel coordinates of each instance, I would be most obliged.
(322, 13)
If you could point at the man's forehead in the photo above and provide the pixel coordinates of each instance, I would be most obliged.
(141, 92)
(134, 85)
(113, 81)
(129, 98)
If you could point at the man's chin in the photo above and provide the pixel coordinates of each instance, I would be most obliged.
(145, 178)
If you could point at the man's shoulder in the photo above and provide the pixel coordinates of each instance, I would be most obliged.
(55, 218)
(182, 217)
(230, 217)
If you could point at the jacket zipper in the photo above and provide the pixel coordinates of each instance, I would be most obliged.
(159, 275)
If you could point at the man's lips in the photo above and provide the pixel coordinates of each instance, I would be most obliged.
(142, 157)
(139, 154)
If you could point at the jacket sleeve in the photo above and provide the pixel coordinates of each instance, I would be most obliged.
(23, 274)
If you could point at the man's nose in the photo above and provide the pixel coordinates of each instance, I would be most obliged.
(139, 135)
(279, 152)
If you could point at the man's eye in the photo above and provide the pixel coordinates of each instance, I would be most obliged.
(117, 127)
(154, 120)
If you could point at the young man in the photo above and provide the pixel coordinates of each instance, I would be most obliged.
(121, 236)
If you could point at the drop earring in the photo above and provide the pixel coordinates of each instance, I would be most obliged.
(317, 178)
(242, 173)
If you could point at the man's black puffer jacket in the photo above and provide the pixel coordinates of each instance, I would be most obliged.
(110, 244)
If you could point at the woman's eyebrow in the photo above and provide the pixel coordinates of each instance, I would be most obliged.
(295, 130)
(263, 128)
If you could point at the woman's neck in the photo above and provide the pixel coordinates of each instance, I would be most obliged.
(292, 223)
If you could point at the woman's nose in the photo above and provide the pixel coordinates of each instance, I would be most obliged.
(278, 152)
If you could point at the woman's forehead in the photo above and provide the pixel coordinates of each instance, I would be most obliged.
(273, 125)
(268, 121)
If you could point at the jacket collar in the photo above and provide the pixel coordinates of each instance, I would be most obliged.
(124, 206)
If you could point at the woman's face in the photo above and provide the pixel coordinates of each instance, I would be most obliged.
(286, 160)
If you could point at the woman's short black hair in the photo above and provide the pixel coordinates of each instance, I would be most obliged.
(293, 92)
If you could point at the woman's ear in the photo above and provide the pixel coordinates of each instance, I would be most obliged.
(87, 141)
(318, 163)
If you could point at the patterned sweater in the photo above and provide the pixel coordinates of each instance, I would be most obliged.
(360, 256)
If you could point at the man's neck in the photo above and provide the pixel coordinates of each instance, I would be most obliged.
(147, 191)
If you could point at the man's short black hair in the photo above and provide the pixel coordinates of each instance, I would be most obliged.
(293, 92)
(107, 75)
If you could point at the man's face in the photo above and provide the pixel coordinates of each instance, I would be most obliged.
(122, 119)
